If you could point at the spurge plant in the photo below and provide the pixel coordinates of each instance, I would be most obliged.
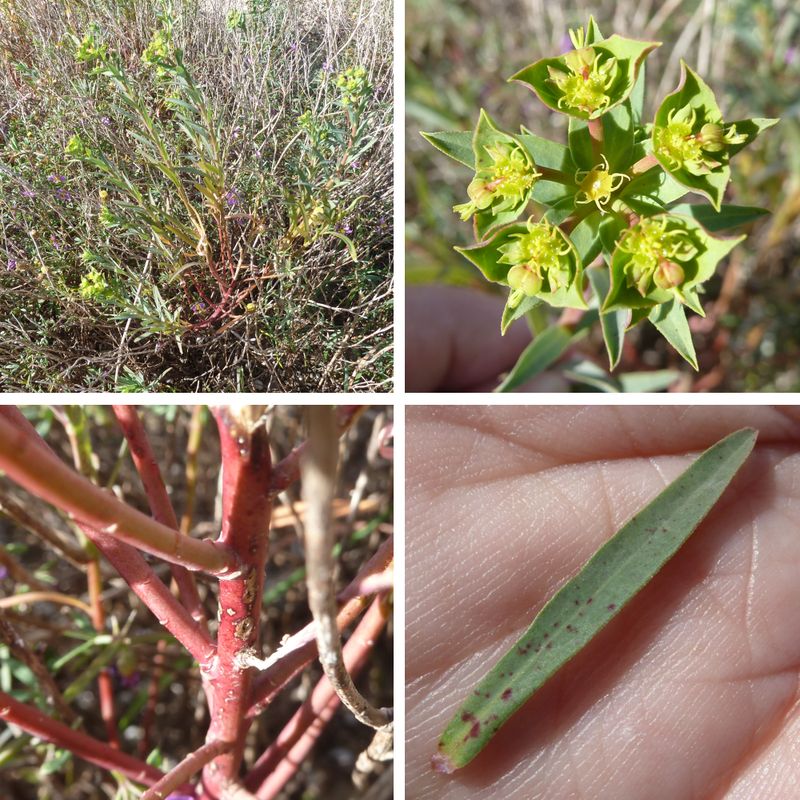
(612, 241)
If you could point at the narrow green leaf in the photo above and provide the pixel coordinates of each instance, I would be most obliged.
(456, 144)
(351, 248)
(614, 323)
(670, 320)
(655, 381)
(543, 351)
(587, 603)
(546, 153)
(513, 313)
(724, 219)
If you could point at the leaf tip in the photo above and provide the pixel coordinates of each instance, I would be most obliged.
(442, 764)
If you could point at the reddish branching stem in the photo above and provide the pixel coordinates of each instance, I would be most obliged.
(356, 653)
(246, 507)
(301, 648)
(146, 465)
(287, 471)
(33, 721)
(189, 767)
(42, 473)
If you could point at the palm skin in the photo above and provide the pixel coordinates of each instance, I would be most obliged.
(691, 692)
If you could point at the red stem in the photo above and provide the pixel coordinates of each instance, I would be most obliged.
(156, 596)
(45, 475)
(301, 648)
(246, 508)
(126, 559)
(157, 497)
(190, 765)
(105, 685)
(33, 721)
(355, 652)
(287, 471)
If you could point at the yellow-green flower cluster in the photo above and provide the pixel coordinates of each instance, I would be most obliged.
(586, 83)
(503, 185)
(684, 144)
(539, 255)
(94, 286)
(90, 50)
(353, 86)
(158, 50)
(656, 251)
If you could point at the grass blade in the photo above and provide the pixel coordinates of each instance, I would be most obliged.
(585, 604)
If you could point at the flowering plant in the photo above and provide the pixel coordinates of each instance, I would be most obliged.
(607, 236)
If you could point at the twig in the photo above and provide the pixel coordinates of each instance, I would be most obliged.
(287, 471)
(156, 596)
(190, 766)
(22, 653)
(160, 504)
(356, 653)
(96, 752)
(319, 468)
(42, 473)
(16, 511)
(301, 648)
(45, 597)
(18, 573)
(192, 448)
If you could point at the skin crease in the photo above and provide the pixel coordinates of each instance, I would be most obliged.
(694, 683)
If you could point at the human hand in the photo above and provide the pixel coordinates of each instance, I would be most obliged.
(691, 692)
(453, 342)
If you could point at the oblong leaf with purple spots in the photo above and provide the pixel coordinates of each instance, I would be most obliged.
(586, 603)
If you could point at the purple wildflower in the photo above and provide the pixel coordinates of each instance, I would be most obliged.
(28, 193)
(293, 47)
(52, 178)
(791, 56)
(3, 572)
(355, 165)
(232, 198)
(347, 229)
(106, 121)
(64, 195)
(11, 264)
(327, 66)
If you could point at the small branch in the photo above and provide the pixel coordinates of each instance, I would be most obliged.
(156, 596)
(356, 654)
(319, 468)
(42, 473)
(192, 448)
(555, 175)
(380, 749)
(301, 648)
(190, 766)
(45, 597)
(16, 511)
(158, 498)
(288, 767)
(21, 652)
(19, 574)
(96, 752)
(287, 471)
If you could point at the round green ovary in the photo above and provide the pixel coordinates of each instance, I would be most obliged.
(654, 254)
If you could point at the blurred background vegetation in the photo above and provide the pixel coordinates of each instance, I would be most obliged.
(459, 55)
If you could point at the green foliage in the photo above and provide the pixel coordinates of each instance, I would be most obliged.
(608, 198)
(231, 248)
